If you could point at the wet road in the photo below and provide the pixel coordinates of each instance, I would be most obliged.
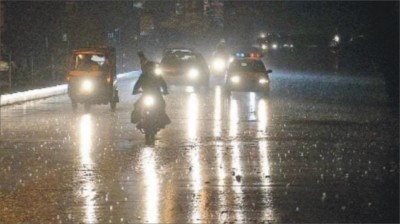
(321, 148)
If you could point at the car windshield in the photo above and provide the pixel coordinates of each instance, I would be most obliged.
(88, 62)
(179, 57)
(247, 66)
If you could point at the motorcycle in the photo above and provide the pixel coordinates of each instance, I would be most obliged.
(152, 117)
(220, 61)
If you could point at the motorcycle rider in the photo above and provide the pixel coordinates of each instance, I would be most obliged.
(149, 81)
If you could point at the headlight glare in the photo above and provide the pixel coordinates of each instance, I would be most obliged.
(263, 81)
(219, 64)
(158, 71)
(148, 101)
(87, 86)
(193, 73)
(235, 79)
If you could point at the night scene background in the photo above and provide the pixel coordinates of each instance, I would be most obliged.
(39, 34)
(321, 147)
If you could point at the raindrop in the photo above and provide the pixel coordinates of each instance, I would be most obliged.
(343, 207)
(323, 196)
(111, 207)
(297, 209)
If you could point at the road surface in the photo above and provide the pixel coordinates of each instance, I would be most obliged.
(322, 148)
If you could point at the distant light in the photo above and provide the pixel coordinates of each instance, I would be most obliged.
(264, 47)
(240, 55)
(274, 46)
(336, 38)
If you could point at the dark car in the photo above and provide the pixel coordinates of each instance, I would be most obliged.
(182, 66)
(247, 73)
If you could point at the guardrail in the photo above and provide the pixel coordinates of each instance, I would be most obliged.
(35, 94)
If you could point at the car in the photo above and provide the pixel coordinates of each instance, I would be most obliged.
(247, 73)
(185, 66)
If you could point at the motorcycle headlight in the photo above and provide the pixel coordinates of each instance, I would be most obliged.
(235, 79)
(193, 73)
(87, 86)
(148, 101)
(158, 71)
(263, 81)
(219, 64)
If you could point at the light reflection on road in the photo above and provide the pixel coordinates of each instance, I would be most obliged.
(88, 185)
(217, 112)
(236, 162)
(192, 113)
(265, 174)
(233, 118)
(252, 106)
(151, 182)
(195, 167)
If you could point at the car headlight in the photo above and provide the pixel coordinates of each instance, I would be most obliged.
(148, 101)
(87, 86)
(264, 47)
(235, 79)
(193, 73)
(219, 64)
(263, 81)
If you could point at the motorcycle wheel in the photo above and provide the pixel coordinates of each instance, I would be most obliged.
(149, 139)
